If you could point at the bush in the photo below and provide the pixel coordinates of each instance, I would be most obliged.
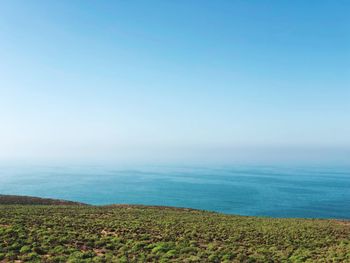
(25, 249)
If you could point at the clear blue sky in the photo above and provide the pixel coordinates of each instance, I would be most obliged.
(175, 80)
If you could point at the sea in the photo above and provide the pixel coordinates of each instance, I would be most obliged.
(268, 191)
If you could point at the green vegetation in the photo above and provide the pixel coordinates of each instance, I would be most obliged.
(49, 233)
(30, 200)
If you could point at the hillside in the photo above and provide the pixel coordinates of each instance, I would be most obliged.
(50, 233)
(30, 200)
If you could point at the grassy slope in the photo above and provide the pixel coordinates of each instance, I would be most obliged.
(30, 200)
(159, 234)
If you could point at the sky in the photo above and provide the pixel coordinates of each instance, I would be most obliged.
(175, 81)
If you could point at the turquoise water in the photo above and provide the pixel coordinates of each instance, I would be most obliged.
(245, 190)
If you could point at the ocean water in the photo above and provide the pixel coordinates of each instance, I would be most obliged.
(276, 191)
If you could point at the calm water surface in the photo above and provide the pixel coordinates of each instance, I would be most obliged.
(264, 191)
